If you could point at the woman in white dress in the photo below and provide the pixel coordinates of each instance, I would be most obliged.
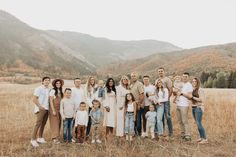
(122, 90)
(110, 106)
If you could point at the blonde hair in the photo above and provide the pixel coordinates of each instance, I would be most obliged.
(124, 77)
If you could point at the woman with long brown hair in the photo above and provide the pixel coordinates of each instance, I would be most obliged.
(198, 109)
(56, 95)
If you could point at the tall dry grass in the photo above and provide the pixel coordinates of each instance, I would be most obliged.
(17, 120)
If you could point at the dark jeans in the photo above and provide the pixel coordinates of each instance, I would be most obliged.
(145, 110)
(167, 116)
(89, 123)
(197, 115)
(67, 129)
(138, 123)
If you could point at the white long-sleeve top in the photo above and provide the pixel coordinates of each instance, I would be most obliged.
(81, 118)
(163, 96)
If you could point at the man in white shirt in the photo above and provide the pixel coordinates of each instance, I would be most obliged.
(149, 89)
(77, 93)
(183, 106)
(41, 101)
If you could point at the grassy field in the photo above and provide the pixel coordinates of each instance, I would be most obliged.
(17, 120)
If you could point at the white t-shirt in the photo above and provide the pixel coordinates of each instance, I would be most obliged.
(183, 101)
(81, 118)
(130, 107)
(77, 95)
(163, 96)
(150, 89)
(43, 97)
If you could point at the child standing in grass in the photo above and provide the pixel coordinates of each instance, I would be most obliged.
(67, 111)
(96, 117)
(130, 115)
(151, 116)
(81, 121)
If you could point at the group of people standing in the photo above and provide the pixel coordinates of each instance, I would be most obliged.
(130, 109)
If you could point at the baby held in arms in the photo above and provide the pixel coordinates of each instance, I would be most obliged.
(152, 97)
(178, 85)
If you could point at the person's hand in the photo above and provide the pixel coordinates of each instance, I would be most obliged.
(41, 108)
(138, 107)
(142, 106)
(107, 109)
(54, 113)
(121, 108)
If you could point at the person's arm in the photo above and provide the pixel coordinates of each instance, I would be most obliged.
(51, 94)
(146, 115)
(36, 99)
(86, 120)
(141, 96)
(62, 110)
(135, 110)
(169, 86)
(118, 97)
(189, 92)
(201, 96)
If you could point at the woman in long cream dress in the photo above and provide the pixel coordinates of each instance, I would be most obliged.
(110, 106)
(122, 90)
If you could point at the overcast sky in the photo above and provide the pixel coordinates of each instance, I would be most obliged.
(185, 23)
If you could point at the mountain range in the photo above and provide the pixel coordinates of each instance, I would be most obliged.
(35, 52)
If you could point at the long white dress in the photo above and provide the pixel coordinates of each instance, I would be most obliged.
(109, 117)
(121, 92)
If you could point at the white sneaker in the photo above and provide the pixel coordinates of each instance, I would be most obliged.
(55, 141)
(93, 141)
(127, 137)
(144, 134)
(34, 143)
(41, 140)
(73, 140)
(98, 141)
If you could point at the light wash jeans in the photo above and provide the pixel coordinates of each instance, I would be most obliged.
(160, 112)
(129, 123)
(197, 115)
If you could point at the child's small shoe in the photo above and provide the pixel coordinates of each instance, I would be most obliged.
(127, 137)
(131, 138)
(98, 141)
(93, 141)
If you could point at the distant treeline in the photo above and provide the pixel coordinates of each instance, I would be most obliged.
(218, 79)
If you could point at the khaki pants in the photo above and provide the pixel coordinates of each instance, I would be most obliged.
(41, 120)
(80, 133)
(55, 124)
(182, 115)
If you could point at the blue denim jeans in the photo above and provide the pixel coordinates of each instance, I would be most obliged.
(167, 116)
(129, 123)
(197, 115)
(89, 123)
(67, 129)
(139, 121)
(160, 112)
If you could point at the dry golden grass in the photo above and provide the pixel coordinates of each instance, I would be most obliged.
(17, 120)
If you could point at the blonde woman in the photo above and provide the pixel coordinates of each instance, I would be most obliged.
(122, 90)
(89, 96)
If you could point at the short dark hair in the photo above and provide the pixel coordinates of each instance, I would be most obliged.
(68, 89)
(45, 77)
(77, 78)
(186, 73)
(82, 103)
(161, 68)
(146, 76)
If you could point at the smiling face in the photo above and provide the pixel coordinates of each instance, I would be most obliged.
(92, 81)
(151, 108)
(146, 80)
(82, 107)
(96, 105)
(128, 97)
(58, 84)
(111, 83)
(159, 84)
(161, 72)
(185, 78)
(134, 77)
(67, 93)
(46, 82)
(77, 83)
(125, 81)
